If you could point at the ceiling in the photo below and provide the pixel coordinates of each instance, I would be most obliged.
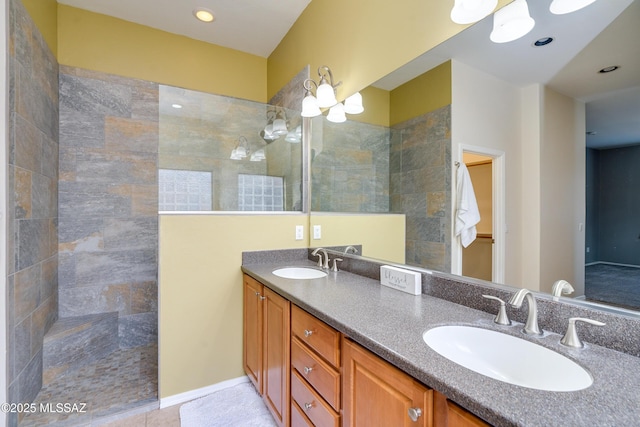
(252, 26)
(568, 65)
(585, 41)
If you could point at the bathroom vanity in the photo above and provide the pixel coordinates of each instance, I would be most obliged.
(342, 350)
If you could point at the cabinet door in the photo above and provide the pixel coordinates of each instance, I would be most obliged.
(448, 414)
(379, 394)
(252, 336)
(276, 350)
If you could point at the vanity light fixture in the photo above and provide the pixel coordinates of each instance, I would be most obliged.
(242, 149)
(203, 14)
(280, 124)
(511, 22)
(470, 11)
(560, 7)
(294, 136)
(325, 97)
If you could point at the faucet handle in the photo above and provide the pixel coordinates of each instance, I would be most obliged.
(335, 264)
(501, 318)
(570, 338)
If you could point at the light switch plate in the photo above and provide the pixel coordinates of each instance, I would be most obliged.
(299, 232)
(317, 232)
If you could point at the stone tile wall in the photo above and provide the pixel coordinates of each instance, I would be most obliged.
(32, 297)
(350, 167)
(420, 187)
(108, 201)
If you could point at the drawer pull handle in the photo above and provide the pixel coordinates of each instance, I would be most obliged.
(307, 370)
(308, 333)
(415, 413)
(262, 298)
(308, 406)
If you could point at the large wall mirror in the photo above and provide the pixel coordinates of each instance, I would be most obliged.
(399, 166)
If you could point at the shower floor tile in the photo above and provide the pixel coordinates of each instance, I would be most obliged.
(125, 380)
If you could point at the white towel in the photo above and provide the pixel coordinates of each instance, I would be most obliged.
(467, 214)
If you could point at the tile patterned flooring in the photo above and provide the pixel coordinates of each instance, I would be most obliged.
(125, 383)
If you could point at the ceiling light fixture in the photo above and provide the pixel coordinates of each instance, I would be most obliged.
(543, 41)
(560, 7)
(204, 14)
(609, 69)
(325, 97)
(511, 22)
(176, 106)
(470, 11)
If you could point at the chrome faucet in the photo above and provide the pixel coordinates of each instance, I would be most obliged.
(322, 264)
(561, 287)
(570, 338)
(351, 249)
(531, 327)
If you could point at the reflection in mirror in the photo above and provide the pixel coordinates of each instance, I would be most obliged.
(219, 153)
(556, 73)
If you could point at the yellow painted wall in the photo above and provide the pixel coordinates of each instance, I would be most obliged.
(360, 40)
(45, 16)
(381, 236)
(200, 307)
(425, 93)
(102, 43)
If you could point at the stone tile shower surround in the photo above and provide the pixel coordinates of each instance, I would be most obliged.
(108, 201)
(32, 282)
(420, 186)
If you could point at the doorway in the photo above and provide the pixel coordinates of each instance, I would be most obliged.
(484, 258)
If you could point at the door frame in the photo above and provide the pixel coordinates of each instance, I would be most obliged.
(499, 224)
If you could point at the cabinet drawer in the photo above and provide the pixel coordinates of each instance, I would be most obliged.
(310, 402)
(322, 377)
(322, 338)
(298, 418)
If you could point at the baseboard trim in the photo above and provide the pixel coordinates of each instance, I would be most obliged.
(612, 263)
(200, 392)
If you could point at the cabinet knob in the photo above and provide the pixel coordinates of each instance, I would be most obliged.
(307, 370)
(257, 294)
(414, 413)
(307, 333)
(308, 406)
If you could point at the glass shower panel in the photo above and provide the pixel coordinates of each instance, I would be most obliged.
(227, 139)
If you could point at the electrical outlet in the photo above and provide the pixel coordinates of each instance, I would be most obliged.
(317, 232)
(299, 232)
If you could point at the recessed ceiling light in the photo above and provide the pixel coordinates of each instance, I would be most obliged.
(176, 106)
(204, 14)
(609, 69)
(543, 41)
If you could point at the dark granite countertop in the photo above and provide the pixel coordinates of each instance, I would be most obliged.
(391, 323)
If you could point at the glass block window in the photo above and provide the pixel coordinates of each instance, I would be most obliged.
(183, 190)
(260, 193)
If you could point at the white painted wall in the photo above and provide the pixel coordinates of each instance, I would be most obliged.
(562, 203)
(485, 112)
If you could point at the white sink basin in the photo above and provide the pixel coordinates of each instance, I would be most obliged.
(507, 358)
(299, 273)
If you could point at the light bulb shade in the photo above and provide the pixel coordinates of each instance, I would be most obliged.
(279, 127)
(353, 104)
(310, 107)
(560, 7)
(470, 11)
(268, 132)
(326, 96)
(292, 137)
(336, 114)
(257, 156)
(511, 22)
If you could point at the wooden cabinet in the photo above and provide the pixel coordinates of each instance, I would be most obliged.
(315, 371)
(379, 394)
(311, 375)
(448, 414)
(266, 355)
